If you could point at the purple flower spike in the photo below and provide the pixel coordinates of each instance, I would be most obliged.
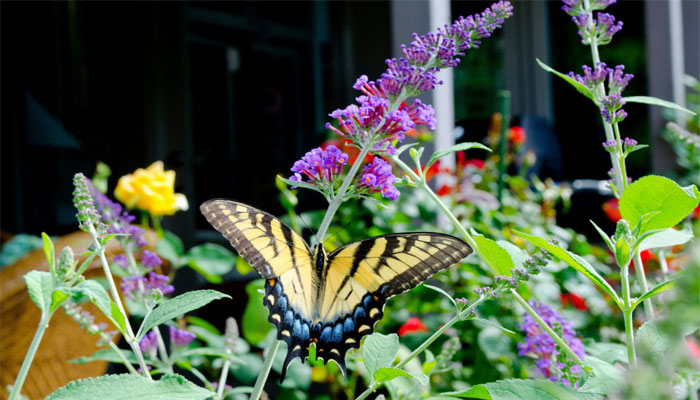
(130, 286)
(150, 259)
(157, 281)
(605, 28)
(610, 146)
(539, 344)
(618, 80)
(179, 337)
(378, 178)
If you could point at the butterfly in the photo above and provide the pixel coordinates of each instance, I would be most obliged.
(329, 299)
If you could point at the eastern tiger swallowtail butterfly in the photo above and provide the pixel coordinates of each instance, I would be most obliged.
(330, 300)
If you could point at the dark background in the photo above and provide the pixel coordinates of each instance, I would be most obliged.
(231, 94)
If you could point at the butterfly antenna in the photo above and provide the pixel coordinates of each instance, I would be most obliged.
(335, 234)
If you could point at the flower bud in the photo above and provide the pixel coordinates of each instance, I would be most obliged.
(66, 264)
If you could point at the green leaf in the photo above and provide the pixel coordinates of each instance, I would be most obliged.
(521, 389)
(493, 254)
(656, 193)
(605, 237)
(85, 264)
(49, 252)
(606, 379)
(494, 324)
(128, 387)
(97, 295)
(654, 101)
(404, 148)
(576, 262)
(178, 306)
(444, 293)
(304, 185)
(518, 255)
(650, 336)
(40, 288)
(379, 351)
(493, 343)
(171, 248)
(107, 355)
(386, 374)
(205, 351)
(608, 352)
(117, 316)
(578, 86)
(666, 238)
(430, 362)
(248, 369)
(57, 298)
(458, 147)
(254, 325)
(211, 260)
(653, 292)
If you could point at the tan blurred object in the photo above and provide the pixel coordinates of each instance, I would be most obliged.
(64, 339)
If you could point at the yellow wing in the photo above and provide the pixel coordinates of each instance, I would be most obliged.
(270, 246)
(362, 275)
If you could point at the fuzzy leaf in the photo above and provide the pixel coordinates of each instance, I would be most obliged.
(128, 387)
(40, 288)
(650, 336)
(666, 238)
(117, 316)
(656, 193)
(178, 306)
(254, 325)
(654, 101)
(605, 237)
(171, 248)
(211, 260)
(653, 292)
(107, 355)
(606, 379)
(578, 86)
(387, 374)
(379, 351)
(458, 147)
(575, 261)
(522, 389)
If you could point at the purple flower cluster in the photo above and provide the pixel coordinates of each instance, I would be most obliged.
(133, 286)
(617, 79)
(320, 166)
(150, 259)
(540, 345)
(180, 337)
(611, 108)
(378, 178)
(601, 28)
(148, 344)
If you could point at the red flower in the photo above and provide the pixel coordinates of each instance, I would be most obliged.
(612, 210)
(411, 326)
(696, 213)
(516, 135)
(645, 255)
(479, 164)
(693, 348)
(444, 190)
(574, 300)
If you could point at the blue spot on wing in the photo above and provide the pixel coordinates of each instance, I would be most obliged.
(337, 333)
(349, 325)
(325, 334)
(359, 313)
(289, 318)
(296, 330)
(282, 303)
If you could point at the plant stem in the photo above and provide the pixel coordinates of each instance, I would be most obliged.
(557, 339)
(129, 334)
(260, 382)
(424, 185)
(641, 276)
(222, 379)
(121, 355)
(375, 385)
(339, 196)
(33, 347)
(627, 312)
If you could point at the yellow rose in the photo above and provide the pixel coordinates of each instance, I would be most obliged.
(152, 190)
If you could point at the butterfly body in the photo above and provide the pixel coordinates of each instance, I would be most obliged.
(332, 299)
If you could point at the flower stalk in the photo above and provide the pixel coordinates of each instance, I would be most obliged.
(627, 313)
(33, 347)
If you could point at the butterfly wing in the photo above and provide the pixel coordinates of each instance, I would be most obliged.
(362, 275)
(278, 254)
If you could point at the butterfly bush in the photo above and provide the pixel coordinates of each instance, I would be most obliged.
(539, 344)
(382, 114)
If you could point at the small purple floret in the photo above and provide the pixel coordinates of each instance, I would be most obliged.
(179, 337)
(378, 177)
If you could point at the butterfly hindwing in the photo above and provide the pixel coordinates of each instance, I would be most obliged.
(361, 276)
